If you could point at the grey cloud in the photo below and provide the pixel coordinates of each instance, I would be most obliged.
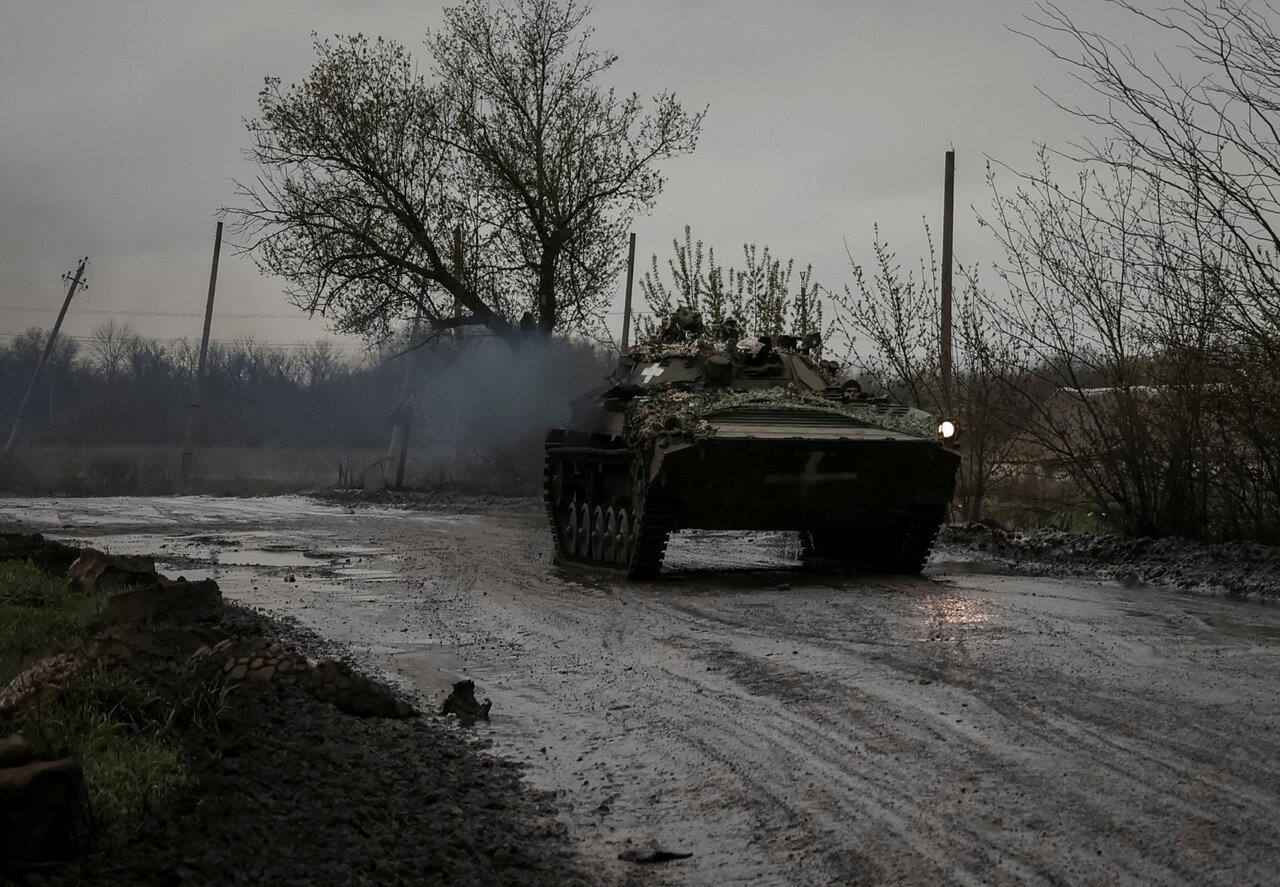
(122, 127)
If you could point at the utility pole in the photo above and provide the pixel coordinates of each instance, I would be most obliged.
(948, 211)
(457, 272)
(44, 358)
(197, 385)
(402, 417)
(626, 312)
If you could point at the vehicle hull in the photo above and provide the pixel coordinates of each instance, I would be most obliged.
(801, 484)
(857, 493)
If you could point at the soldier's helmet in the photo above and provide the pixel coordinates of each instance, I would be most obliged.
(685, 324)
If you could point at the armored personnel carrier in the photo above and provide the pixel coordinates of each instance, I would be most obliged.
(722, 432)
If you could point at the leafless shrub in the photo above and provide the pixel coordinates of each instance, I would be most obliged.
(1146, 294)
(888, 324)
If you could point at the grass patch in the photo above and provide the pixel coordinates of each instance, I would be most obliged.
(123, 735)
(39, 614)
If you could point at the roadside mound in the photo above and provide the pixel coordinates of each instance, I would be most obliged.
(278, 770)
(1239, 568)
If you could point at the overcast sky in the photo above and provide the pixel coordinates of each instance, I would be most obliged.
(121, 134)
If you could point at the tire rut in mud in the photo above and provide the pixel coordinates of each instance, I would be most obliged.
(1130, 771)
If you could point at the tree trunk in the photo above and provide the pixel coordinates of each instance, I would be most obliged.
(547, 292)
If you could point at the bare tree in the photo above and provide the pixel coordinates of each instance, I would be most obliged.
(367, 169)
(109, 348)
(1150, 290)
(318, 363)
(705, 289)
(1121, 322)
(1209, 136)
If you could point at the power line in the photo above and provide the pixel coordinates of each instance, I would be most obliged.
(332, 343)
(100, 312)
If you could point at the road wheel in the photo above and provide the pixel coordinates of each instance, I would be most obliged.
(639, 486)
(633, 539)
(622, 544)
(610, 535)
(584, 530)
(571, 531)
(597, 534)
(558, 486)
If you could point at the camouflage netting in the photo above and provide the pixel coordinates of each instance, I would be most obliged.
(650, 352)
(665, 410)
(675, 410)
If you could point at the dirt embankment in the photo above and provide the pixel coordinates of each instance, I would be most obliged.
(282, 787)
(289, 790)
(1238, 568)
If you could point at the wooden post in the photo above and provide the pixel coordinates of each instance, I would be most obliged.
(44, 358)
(197, 385)
(948, 211)
(626, 311)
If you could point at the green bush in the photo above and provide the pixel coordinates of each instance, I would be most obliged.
(39, 614)
(122, 734)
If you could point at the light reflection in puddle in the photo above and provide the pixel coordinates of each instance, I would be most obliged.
(954, 611)
(963, 611)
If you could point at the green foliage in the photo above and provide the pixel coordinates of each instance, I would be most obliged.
(122, 734)
(766, 295)
(39, 614)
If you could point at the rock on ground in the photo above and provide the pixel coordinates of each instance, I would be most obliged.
(44, 809)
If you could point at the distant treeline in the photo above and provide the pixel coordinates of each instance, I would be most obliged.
(122, 388)
(474, 395)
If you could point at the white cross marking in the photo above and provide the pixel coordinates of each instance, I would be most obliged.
(652, 372)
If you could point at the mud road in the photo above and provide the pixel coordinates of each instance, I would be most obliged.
(788, 727)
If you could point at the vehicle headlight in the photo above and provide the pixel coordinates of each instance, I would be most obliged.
(947, 429)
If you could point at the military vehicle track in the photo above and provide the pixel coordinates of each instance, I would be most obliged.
(616, 528)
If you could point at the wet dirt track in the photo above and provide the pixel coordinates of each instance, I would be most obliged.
(789, 727)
